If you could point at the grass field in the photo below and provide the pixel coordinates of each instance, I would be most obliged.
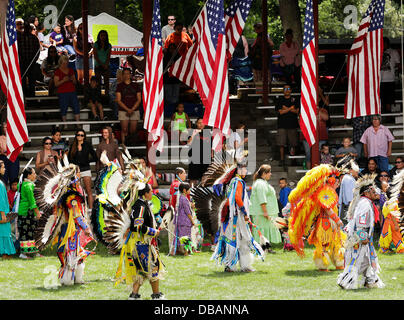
(282, 276)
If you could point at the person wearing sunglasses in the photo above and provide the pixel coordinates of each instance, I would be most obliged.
(46, 157)
(399, 165)
(81, 153)
(168, 28)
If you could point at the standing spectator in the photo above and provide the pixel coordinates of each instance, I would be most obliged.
(191, 33)
(359, 125)
(284, 192)
(56, 39)
(28, 53)
(48, 67)
(290, 59)
(11, 192)
(264, 206)
(399, 165)
(108, 144)
(102, 55)
(346, 192)
(6, 242)
(65, 82)
(180, 38)
(46, 157)
(93, 98)
(377, 143)
(12, 168)
(78, 48)
(199, 154)
(171, 83)
(180, 121)
(112, 92)
(128, 97)
(69, 32)
(391, 59)
(28, 214)
(58, 143)
(371, 168)
(81, 153)
(237, 140)
(240, 65)
(256, 54)
(168, 28)
(34, 20)
(346, 149)
(288, 111)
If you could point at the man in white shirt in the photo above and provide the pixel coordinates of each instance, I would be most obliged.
(168, 28)
(346, 191)
(391, 59)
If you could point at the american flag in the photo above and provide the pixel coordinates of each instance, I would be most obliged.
(308, 110)
(10, 81)
(364, 62)
(153, 93)
(204, 67)
(235, 17)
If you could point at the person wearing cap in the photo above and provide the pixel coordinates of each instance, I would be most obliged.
(360, 255)
(377, 143)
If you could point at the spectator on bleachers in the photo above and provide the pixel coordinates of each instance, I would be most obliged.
(34, 20)
(346, 149)
(65, 82)
(59, 144)
(12, 168)
(181, 39)
(56, 39)
(180, 121)
(28, 53)
(46, 157)
(41, 37)
(371, 168)
(287, 109)
(256, 54)
(377, 143)
(112, 92)
(359, 125)
(78, 48)
(19, 24)
(128, 97)
(391, 60)
(325, 155)
(69, 32)
(93, 99)
(237, 140)
(11, 192)
(148, 173)
(290, 61)
(48, 67)
(399, 165)
(191, 33)
(81, 153)
(283, 192)
(384, 176)
(102, 56)
(109, 145)
(171, 83)
(168, 28)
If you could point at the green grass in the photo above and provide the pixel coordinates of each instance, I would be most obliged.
(282, 276)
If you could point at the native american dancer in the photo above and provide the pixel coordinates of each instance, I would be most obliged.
(314, 212)
(360, 254)
(391, 239)
(64, 219)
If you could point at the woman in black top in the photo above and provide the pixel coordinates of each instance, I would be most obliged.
(81, 153)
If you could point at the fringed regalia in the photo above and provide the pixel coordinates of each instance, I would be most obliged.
(360, 253)
(236, 243)
(139, 255)
(314, 214)
(64, 219)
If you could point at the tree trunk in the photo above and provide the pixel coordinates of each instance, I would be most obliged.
(97, 6)
(289, 12)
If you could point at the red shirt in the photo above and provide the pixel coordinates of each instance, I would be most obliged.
(10, 195)
(67, 86)
(128, 94)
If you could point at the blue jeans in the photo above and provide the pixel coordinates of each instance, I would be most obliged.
(69, 49)
(382, 163)
(68, 99)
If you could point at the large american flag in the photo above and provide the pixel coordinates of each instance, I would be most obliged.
(308, 110)
(235, 17)
(364, 62)
(10, 81)
(153, 93)
(204, 67)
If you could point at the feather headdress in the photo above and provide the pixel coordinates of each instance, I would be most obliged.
(221, 170)
(347, 163)
(396, 194)
(364, 182)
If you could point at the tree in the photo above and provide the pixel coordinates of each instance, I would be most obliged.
(95, 7)
(290, 14)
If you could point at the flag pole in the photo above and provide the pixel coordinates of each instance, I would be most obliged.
(315, 154)
(147, 22)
